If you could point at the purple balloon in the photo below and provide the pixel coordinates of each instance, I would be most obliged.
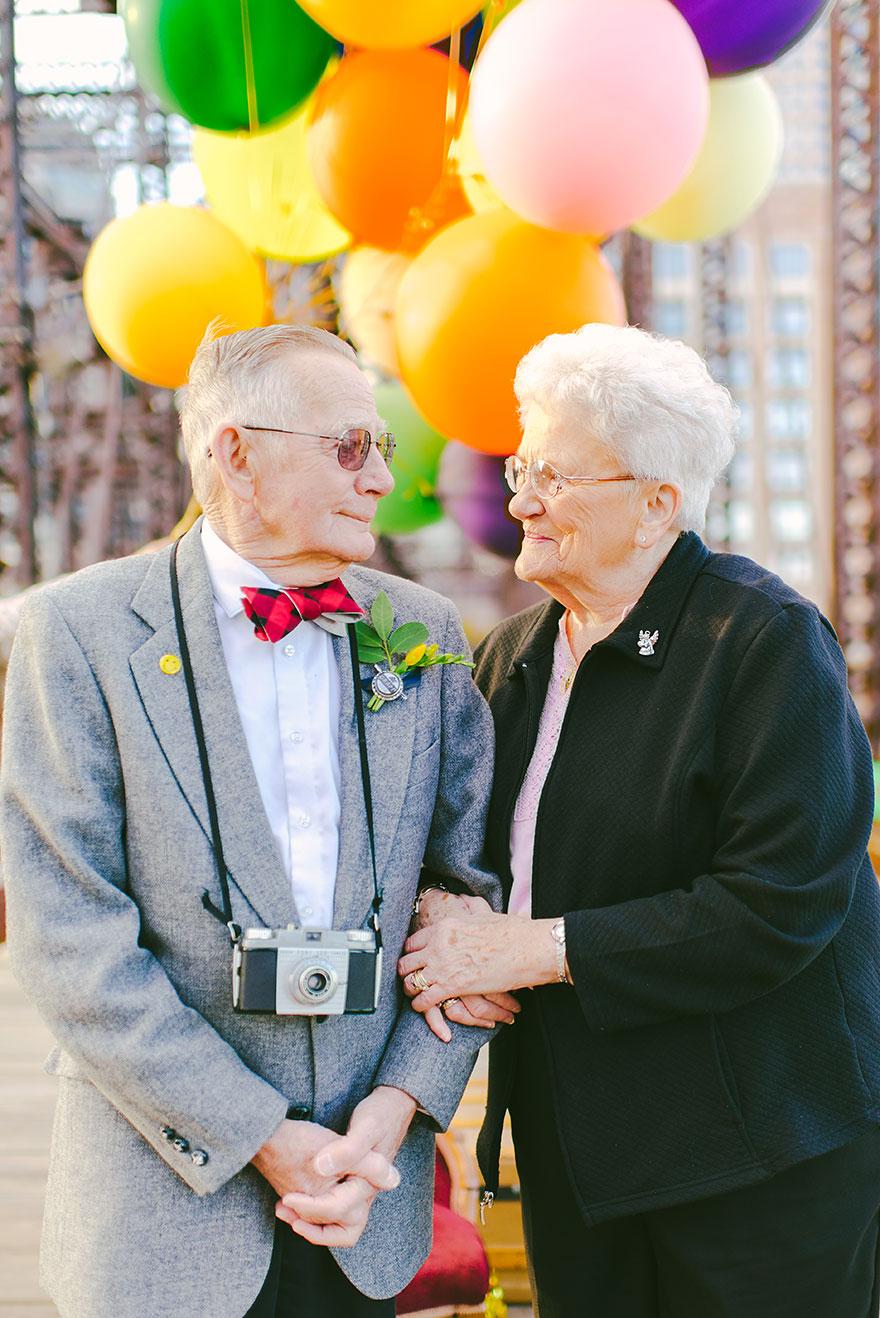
(738, 35)
(472, 490)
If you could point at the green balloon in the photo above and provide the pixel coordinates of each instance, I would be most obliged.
(412, 503)
(191, 55)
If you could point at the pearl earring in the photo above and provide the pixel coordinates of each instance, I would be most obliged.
(644, 539)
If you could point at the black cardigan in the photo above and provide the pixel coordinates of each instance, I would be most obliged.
(703, 829)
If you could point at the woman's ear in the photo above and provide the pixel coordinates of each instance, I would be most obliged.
(659, 514)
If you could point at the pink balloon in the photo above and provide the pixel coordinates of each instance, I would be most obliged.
(587, 114)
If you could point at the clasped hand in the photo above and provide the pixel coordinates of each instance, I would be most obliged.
(327, 1182)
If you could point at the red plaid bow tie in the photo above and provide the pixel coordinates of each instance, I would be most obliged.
(274, 613)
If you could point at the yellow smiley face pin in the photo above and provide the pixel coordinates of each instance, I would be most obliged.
(170, 664)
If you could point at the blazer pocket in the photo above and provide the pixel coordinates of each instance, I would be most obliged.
(422, 764)
(727, 1079)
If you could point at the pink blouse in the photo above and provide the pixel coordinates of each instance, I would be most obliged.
(522, 830)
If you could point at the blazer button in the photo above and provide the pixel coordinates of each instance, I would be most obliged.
(299, 1112)
(181, 1144)
(199, 1157)
(168, 1133)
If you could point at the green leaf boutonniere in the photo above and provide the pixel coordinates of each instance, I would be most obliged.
(404, 650)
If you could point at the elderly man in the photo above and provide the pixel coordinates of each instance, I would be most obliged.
(171, 778)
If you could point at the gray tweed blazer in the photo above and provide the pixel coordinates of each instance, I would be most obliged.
(106, 853)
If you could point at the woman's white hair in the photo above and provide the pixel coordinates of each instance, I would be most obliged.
(649, 401)
(236, 378)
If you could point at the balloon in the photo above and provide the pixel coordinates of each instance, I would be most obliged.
(154, 280)
(472, 491)
(190, 54)
(366, 291)
(588, 114)
(477, 188)
(412, 503)
(261, 186)
(737, 35)
(391, 24)
(376, 139)
(474, 301)
(735, 169)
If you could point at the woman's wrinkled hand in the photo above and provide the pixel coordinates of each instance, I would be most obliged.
(483, 955)
(472, 1009)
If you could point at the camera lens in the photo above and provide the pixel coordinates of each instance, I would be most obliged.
(314, 983)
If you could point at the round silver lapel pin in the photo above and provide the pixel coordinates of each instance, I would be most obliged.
(387, 685)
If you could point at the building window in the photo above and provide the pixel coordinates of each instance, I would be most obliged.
(791, 521)
(742, 521)
(746, 424)
(786, 471)
(671, 260)
(736, 316)
(788, 368)
(741, 472)
(789, 260)
(741, 259)
(790, 317)
(739, 369)
(670, 317)
(788, 418)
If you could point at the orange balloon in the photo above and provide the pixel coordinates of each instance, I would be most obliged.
(376, 139)
(475, 300)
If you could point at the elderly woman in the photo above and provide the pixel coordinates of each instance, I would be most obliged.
(681, 811)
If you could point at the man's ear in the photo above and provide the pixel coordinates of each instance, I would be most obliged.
(230, 450)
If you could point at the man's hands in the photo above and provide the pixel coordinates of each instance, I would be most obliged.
(469, 1008)
(342, 1174)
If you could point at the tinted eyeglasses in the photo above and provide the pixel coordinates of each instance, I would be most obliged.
(546, 481)
(352, 446)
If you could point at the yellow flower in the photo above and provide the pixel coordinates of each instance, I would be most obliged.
(432, 650)
(414, 655)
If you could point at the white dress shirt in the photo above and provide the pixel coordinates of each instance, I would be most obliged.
(287, 695)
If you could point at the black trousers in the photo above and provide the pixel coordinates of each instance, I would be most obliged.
(304, 1281)
(804, 1244)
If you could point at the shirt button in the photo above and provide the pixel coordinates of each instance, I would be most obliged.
(290, 651)
(299, 1112)
(181, 1144)
(296, 737)
(199, 1157)
(303, 820)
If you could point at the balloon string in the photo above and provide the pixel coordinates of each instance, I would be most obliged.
(494, 11)
(250, 85)
(451, 128)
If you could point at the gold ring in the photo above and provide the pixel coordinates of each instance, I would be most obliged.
(447, 1002)
(418, 981)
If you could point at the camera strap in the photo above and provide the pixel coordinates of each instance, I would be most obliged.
(216, 840)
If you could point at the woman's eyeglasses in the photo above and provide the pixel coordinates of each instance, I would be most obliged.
(545, 480)
(352, 446)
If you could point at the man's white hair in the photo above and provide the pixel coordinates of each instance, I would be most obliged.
(649, 401)
(236, 378)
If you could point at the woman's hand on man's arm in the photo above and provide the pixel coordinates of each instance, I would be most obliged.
(468, 1008)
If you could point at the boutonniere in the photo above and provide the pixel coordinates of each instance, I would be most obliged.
(404, 651)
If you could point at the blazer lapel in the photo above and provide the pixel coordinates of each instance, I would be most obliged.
(390, 733)
(249, 847)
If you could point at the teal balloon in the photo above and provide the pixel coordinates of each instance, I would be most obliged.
(412, 503)
(190, 54)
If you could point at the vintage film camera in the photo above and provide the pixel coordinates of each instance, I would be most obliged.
(306, 972)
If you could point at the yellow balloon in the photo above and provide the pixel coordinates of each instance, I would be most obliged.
(367, 292)
(261, 186)
(390, 24)
(735, 169)
(154, 281)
